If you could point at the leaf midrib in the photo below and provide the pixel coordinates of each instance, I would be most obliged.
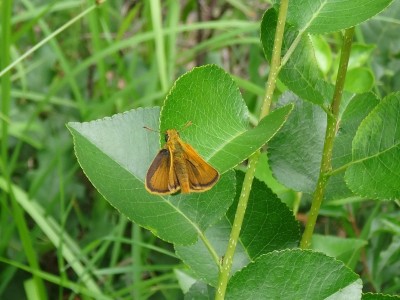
(375, 155)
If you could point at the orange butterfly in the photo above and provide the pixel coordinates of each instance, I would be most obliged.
(179, 167)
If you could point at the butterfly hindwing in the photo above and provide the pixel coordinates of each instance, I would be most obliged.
(202, 176)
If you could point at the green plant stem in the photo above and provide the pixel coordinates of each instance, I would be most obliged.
(332, 123)
(237, 225)
(275, 59)
(227, 260)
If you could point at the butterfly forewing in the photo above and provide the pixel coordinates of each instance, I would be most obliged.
(158, 174)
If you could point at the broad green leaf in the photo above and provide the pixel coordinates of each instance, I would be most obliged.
(384, 33)
(297, 166)
(387, 263)
(200, 291)
(300, 73)
(295, 274)
(360, 55)
(185, 280)
(371, 296)
(323, 53)
(268, 225)
(357, 110)
(264, 174)
(209, 98)
(347, 250)
(331, 15)
(295, 151)
(359, 80)
(115, 154)
(375, 168)
(199, 259)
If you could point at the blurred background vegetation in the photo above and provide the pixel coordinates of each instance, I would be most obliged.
(75, 61)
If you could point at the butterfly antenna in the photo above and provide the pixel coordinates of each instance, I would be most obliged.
(189, 123)
(148, 128)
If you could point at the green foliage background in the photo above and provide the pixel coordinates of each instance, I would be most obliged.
(61, 239)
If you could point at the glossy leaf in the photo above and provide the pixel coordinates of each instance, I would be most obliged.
(357, 110)
(300, 73)
(374, 171)
(209, 98)
(359, 80)
(200, 291)
(115, 154)
(264, 174)
(199, 259)
(383, 33)
(295, 274)
(344, 249)
(268, 225)
(360, 55)
(378, 296)
(331, 15)
(295, 152)
(323, 53)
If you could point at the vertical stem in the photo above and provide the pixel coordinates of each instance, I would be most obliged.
(275, 59)
(332, 123)
(226, 264)
(237, 225)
